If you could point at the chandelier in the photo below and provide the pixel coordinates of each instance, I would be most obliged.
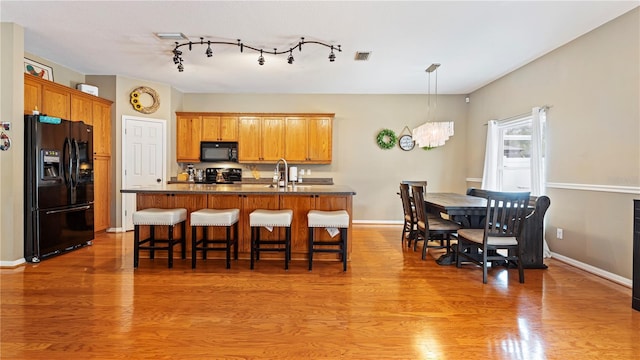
(177, 53)
(432, 134)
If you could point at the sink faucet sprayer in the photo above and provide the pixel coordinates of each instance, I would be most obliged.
(276, 175)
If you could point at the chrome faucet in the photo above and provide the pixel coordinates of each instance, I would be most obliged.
(286, 172)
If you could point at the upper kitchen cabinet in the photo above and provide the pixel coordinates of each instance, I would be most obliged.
(308, 140)
(82, 108)
(56, 101)
(219, 128)
(260, 139)
(32, 94)
(101, 127)
(188, 137)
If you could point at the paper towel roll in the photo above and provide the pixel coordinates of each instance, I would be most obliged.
(293, 173)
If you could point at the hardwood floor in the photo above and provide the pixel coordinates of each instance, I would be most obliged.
(91, 304)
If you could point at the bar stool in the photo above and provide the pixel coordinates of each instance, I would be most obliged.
(153, 217)
(328, 219)
(214, 217)
(270, 218)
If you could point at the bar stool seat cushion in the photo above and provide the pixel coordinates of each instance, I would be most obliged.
(154, 216)
(336, 219)
(271, 218)
(215, 217)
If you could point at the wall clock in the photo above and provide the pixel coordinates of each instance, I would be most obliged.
(406, 142)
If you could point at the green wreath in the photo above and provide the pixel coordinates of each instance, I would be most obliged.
(386, 139)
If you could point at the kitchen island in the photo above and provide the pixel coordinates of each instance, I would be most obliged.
(248, 197)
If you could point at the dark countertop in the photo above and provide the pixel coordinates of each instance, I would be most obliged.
(192, 188)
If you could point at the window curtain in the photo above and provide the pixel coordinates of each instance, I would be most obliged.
(490, 173)
(538, 117)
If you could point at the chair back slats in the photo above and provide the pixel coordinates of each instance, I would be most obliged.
(406, 200)
(418, 199)
(506, 212)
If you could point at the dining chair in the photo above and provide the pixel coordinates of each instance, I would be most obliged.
(409, 226)
(431, 227)
(504, 219)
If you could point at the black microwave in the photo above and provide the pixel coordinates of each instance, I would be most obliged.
(218, 151)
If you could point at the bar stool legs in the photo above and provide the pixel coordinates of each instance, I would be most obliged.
(153, 217)
(328, 219)
(270, 218)
(206, 218)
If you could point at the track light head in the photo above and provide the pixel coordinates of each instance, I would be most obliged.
(332, 56)
(209, 52)
(290, 58)
(261, 59)
(180, 67)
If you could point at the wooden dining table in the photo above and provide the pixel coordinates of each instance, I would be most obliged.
(469, 211)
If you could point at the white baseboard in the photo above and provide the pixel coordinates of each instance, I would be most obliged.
(116, 230)
(13, 263)
(594, 270)
(378, 222)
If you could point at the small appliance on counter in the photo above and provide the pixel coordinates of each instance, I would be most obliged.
(222, 175)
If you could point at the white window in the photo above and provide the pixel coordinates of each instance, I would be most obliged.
(515, 155)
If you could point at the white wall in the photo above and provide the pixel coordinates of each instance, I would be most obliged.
(593, 86)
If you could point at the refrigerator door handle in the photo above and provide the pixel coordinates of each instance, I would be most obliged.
(66, 162)
(86, 207)
(75, 175)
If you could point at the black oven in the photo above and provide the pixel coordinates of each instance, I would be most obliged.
(211, 151)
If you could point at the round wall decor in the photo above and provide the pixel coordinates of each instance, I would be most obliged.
(137, 104)
(386, 139)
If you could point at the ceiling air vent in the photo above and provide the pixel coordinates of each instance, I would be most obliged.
(362, 55)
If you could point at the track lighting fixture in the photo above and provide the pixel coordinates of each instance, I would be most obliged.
(177, 54)
(209, 52)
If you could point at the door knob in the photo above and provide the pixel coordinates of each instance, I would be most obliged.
(158, 180)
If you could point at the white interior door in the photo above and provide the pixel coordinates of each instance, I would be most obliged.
(143, 159)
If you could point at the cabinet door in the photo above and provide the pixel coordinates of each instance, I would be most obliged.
(320, 140)
(81, 109)
(32, 95)
(229, 128)
(272, 138)
(55, 102)
(296, 139)
(211, 128)
(101, 188)
(101, 128)
(188, 135)
(249, 139)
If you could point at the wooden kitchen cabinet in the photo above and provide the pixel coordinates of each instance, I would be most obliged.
(219, 128)
(101, 193)
(188, 135)
(56, 101)
(260, 139)
(81, 108)
(308, 140)
(32, 94)
(70, 104)
(101, 127)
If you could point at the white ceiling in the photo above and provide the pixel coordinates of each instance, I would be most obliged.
(475, 41)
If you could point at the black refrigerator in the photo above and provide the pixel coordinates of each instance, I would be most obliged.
(58, 186)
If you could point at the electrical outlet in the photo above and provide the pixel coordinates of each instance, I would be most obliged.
(559, 233)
